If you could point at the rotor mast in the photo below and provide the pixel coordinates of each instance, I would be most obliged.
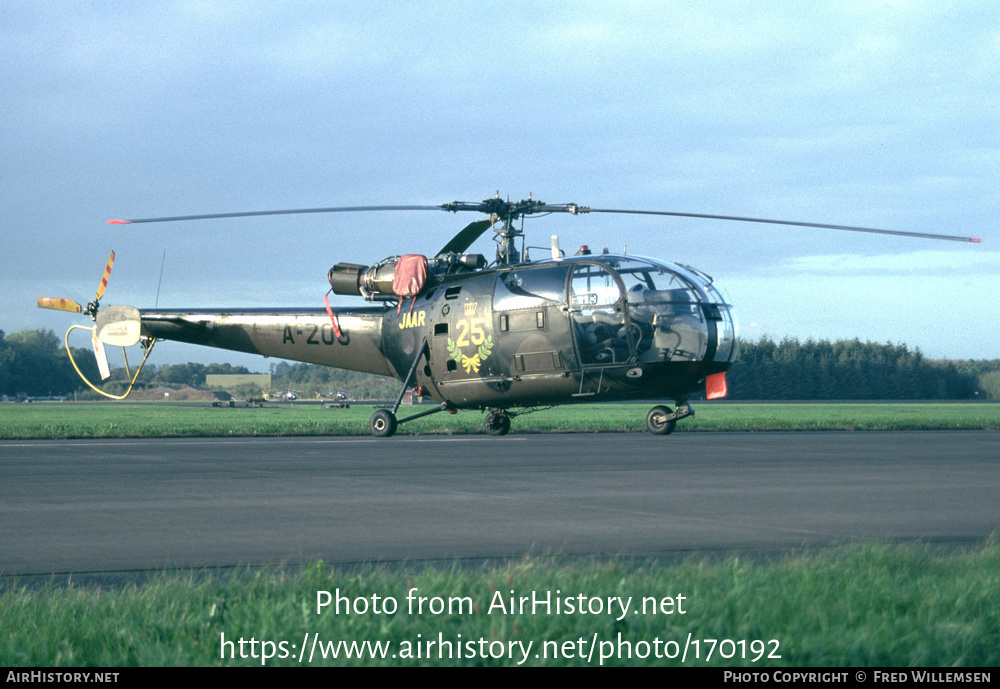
(506, 213)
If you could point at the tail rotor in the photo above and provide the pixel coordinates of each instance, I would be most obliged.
(118, 325)
(74, 306)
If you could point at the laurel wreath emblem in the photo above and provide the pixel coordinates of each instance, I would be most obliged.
(485, 348)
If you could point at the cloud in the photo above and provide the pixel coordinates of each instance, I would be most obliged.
(929, 263)
(869, 114)
(944, 317)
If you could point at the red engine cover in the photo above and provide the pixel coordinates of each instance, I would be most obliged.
(409, 275)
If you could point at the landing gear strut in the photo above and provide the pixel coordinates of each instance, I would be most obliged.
(384, 422)
(662, 421)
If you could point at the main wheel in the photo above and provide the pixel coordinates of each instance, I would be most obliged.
(383, 423)
(497, 423)
(658, 423)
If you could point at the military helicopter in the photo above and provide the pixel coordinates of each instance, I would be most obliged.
(281, 396)
(503, 337)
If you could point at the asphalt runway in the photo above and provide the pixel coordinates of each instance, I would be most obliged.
(135, 505)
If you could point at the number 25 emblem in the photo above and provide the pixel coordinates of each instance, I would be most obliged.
(471, 331)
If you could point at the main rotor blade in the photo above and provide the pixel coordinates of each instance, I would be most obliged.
(508, 211)
(103, 285)
(464, 239)
(59, 304)
(792, 223)
(290, 211)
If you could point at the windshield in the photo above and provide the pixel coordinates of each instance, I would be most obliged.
(674, 310)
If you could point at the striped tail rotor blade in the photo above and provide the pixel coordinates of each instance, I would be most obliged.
(101, 355)
(107, 274)
(59, 304)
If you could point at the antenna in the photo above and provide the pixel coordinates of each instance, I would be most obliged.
(160, 281)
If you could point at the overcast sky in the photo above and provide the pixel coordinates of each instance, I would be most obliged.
(860, 113)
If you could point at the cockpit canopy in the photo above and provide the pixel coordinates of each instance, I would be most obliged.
(675, 313)
(677, 302)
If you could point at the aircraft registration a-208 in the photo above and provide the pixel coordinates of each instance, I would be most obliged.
(504, 336)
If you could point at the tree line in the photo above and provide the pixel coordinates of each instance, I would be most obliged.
(309, 379)
(849, 370)
(33, 363)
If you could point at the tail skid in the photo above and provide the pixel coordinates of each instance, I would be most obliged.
(98, 343)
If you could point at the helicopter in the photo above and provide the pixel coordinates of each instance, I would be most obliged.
(503, 337)
(281, 396)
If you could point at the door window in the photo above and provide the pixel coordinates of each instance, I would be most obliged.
(598, 316)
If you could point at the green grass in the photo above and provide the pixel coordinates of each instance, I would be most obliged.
(68, 420)
(859, 605)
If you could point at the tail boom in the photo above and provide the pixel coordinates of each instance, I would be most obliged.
(306, 335)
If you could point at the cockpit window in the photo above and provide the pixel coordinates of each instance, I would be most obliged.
(649, 283)
(598, 318)
(592, 286)
(525, 289)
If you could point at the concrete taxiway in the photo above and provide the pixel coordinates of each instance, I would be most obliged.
(133, 505)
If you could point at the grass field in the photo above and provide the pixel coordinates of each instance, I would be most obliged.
(858, 605)
(68, 420)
